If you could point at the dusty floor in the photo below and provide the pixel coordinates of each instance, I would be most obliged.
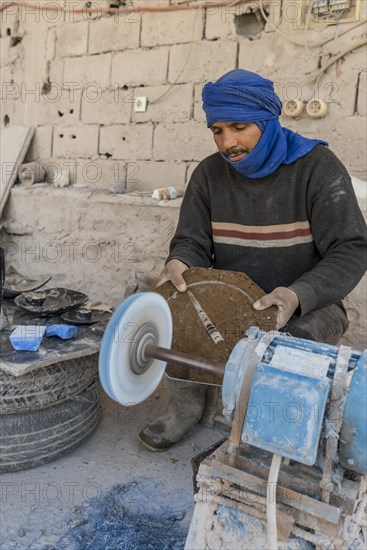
(39, 506)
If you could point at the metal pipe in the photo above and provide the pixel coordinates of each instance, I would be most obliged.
(185, 360)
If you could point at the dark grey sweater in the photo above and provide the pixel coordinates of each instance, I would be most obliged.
(300, 227)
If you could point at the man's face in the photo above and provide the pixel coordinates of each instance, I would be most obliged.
(236, 139)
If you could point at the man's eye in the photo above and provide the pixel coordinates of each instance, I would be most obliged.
(240, 127)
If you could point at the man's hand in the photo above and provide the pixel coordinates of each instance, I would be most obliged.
(286, 301)
(173, 272)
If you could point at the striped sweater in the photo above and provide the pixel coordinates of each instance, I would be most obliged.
(299, 227)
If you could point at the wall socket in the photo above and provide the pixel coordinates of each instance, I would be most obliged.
(140, 104)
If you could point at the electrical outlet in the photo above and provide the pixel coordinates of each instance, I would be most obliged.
(316, 108)
(293, 108)
(140, 104)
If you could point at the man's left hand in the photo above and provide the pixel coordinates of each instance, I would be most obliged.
(286, 301)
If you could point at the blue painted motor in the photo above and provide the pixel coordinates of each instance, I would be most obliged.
(299, 390)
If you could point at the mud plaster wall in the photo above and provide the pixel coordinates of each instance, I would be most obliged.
(74, 77)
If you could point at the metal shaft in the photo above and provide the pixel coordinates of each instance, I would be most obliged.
(180, 359)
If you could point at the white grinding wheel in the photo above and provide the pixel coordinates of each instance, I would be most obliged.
(127, 376)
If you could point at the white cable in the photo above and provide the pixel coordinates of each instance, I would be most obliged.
(313, 45)
(183, 66)
(261, 6)
(309, 11)
(271, 502)
(334, 59)
(188, 55)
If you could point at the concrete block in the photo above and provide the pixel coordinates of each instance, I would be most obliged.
(220, 22)
(18, 113)
(60, 107)
(351, 151)
(342, 78)
(275, 58)
(41, 144)
(76, 141)
(51, 44)
(138, 174)
(113, 106)
(7, 113)
(229, 22)
(32, 20)
(191, 167)
(290, 16)
(199, 113)
(153, 175)
(117, 32)
(72, 39)
(71, 7)
(147, 67)
(127, 142)
(93, 71)
(173, 27)
(182, 142)
(8, 90)
(98, 173)
(176, 106)
(9, 19)
(56, 71)
(4, 50)
(206, 60)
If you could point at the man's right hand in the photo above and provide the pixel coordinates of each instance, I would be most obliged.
(173, 272)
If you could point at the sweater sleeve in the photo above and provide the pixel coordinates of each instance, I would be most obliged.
(192, 242)
(339, 233)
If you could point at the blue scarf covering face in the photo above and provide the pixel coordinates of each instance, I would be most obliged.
(243, 96)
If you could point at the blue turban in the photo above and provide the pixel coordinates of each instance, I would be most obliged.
(243, 96)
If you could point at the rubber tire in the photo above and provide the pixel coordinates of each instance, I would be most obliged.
(34, 438)
(43, 387)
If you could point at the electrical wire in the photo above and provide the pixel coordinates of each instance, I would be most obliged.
(158, 99)
(334, 59)
(154, 101)
(284, 35)
(308, 17)
(313, 45)
(271, 502)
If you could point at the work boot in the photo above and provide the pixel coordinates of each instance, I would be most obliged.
(185, 409)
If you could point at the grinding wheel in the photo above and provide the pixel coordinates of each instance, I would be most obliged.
(212, 316)
(126, 374)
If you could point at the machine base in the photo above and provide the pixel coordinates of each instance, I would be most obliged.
(232, 489)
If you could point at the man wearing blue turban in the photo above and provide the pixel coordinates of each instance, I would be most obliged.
(274, 205)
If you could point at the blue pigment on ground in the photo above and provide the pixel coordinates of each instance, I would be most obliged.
(108, 523)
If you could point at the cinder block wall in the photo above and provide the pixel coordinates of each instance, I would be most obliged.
(75, 77)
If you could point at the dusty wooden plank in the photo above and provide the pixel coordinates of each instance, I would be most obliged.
(287, 496)
(285, 521)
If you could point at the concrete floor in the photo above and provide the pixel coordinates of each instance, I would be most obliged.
(38, 506)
